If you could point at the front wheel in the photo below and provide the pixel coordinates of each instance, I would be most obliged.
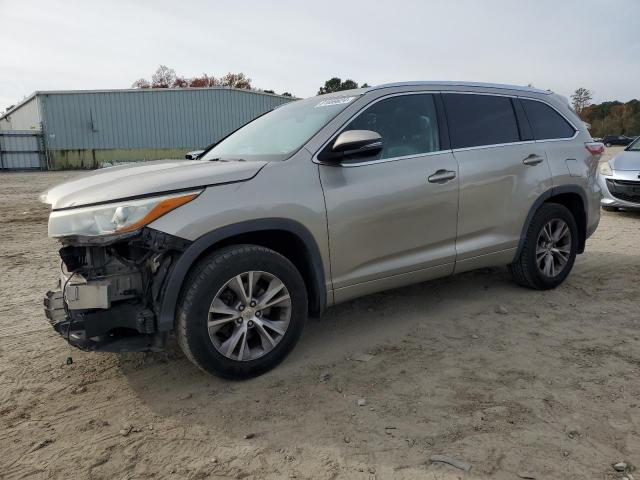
(549, 250)
(241, 311)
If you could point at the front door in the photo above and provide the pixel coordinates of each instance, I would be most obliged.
(392, 216)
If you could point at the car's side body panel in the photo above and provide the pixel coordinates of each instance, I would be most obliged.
(190, 256)
(572, 165)
(286, 190)
(496, 191)
(386, 219)
(382, 225)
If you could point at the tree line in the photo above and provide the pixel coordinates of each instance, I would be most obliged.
(165, 77)
(607, 118)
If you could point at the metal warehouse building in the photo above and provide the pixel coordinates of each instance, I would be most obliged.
(83, 129)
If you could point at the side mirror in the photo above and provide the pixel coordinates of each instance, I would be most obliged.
(352, 143)
(194, 155)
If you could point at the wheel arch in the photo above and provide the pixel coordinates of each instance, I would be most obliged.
(287, 237)
(571, 196)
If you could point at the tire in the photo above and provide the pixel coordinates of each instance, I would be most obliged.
(212, 278)
(610, 209)
(526, 269)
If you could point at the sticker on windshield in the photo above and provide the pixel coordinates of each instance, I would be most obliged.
(334, 101)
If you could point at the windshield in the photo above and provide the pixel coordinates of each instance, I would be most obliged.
(634, 146)
(281, 132)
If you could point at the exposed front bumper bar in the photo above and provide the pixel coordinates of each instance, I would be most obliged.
(109, 294)
(127, 327)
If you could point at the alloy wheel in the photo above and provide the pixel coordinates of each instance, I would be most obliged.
(249, 315)
(553, 247)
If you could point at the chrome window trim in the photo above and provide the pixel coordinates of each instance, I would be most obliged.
(493, 145)
(383, 160)
(437, 152)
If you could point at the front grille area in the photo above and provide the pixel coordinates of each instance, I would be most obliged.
(632, 183)
(627, 190)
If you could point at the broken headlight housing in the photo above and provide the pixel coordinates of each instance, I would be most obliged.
(115, 218)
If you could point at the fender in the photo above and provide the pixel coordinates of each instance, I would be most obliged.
(553, 191)
(179, 271)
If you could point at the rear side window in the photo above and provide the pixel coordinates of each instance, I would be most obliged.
(407, 124)
(476, 120)
(545, 122)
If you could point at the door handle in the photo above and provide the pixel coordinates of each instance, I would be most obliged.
(442, 176)
(532, 160)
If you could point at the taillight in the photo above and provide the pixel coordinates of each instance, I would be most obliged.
(595, 148)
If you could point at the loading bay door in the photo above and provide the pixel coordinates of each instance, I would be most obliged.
(22, 150)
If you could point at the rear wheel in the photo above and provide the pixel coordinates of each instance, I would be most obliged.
(549, 250)
(242, 310)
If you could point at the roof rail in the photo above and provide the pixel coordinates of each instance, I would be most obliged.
(498, 86)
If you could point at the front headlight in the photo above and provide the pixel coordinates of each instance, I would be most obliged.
(605, 169)
(114, 218)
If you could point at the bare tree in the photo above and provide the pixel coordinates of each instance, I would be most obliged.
(164, 77)
(141, 83)
(204, 81)
(180, 82)
(580, 99)
(236, 80)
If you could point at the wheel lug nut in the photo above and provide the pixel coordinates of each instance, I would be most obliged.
(250, 323)
(241, 307)
(239, 321)
(258, 314)
(253, 304)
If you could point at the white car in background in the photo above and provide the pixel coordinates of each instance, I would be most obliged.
(619, 179)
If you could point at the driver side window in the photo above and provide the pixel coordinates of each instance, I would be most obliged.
(407, 124)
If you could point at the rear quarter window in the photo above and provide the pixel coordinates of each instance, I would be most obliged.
(546, 123)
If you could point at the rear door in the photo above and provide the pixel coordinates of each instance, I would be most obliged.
(502, 173)
(393, 215)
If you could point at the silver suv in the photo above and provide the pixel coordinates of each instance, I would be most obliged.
(317, 202)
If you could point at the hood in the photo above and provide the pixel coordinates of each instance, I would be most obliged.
(140, 179)
(626, 161)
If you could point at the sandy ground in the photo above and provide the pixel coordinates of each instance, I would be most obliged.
(518, 383)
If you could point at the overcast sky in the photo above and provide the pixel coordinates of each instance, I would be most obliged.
(296, 46)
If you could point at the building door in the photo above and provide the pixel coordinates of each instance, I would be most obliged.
(22, 150)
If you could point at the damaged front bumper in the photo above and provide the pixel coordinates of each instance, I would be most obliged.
(109, 295)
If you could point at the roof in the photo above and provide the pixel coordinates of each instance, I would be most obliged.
(132, 90)
(498, 86)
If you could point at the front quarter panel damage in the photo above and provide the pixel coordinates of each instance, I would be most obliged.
(110, 290)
